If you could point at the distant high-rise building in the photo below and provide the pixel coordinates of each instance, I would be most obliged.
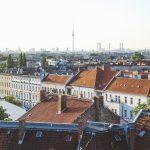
(73, 40)
(99, 46)
(109, 47)
(121, 46)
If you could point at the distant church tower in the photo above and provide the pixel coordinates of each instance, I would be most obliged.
(73, 40)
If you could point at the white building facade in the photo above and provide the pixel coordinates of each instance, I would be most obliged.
(26, 89)
(123, 102)
(54, 83)
(83, 92)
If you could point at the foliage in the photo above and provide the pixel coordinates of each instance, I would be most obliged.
(8, 119)
(9, 62)
(139, 107)
(148, 99)
(20, 64)
(3, 113)
(12, 100)
(3, 58)
(93, 55)
(43, 61)
(137, 56)
(111, 57)
(2, 65)
(24, 61)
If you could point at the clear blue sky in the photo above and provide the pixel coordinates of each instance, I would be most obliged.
(49, 23)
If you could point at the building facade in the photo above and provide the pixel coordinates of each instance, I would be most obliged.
(90, 83)
(5, 85)
(124, 94)
(54, 83)
(26, 89)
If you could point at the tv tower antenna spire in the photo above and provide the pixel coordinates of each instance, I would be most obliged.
(73, 39)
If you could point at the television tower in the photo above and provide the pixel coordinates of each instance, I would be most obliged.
(73, 40)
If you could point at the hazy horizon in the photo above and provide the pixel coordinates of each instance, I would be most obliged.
(49, 23)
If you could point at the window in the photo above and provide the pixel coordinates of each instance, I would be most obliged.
(125, 99)
(131, 100)
(110, 97)
(38, 134)
(74, 93)
(106, 96)
(91, 95)
(115, 98)
(125, 113)
(139, 101)
(88, 94)
(131, 115)
(118, 99)
(115, 111)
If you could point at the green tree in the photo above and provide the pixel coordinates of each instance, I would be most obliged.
(137, 56)
(93, 55)
(111, 57)
(20, 62)
(139, 107)
(12, 100)
(2, 65)
(3, 113)
(9, 62)
(24, 61)
(43, 61)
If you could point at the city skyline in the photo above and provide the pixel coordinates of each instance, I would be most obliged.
(47, 24)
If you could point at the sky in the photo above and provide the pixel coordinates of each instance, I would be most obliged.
(49, 23)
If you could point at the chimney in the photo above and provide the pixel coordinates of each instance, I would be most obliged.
(21, 132)
(98, 103)
(42, 95)
(62, 103)
(78, 69)
(105, 67)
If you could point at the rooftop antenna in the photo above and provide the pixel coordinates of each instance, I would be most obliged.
(73, 39)
(109, 48)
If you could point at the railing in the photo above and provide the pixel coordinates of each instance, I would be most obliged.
(114, 101)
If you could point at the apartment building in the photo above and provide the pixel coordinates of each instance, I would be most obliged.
(122, 95)
(5, 85)
(54, 83)
(26, 88)
(90, 83)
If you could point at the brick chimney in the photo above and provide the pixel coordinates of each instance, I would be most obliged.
(98, 103)
(62, 103)
(42, 95)
(105, 67)
(21, 131)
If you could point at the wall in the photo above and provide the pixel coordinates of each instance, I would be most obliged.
(122, 106)
(97, 112)
(48, 86)
(88, 93)
(5, 85)
(26, 89)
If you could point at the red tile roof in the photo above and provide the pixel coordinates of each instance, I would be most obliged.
(95, 78)
(130, 85)
(54, 78)
(46, 111)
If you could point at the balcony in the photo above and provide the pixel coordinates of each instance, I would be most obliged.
(114, 101)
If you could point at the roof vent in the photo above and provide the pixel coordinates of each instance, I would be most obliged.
(117, 138)
(138, 86)
(68, 138)
(38, 133)
(142, 133)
